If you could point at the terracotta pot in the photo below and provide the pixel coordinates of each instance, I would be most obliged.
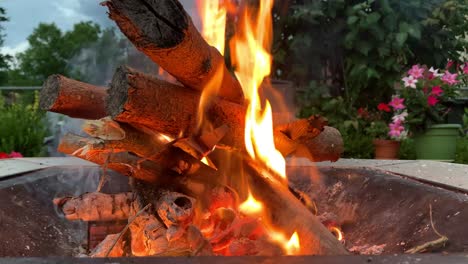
(386, 149)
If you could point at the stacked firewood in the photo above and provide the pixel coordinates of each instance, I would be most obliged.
(147, 129)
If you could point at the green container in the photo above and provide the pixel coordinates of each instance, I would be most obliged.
(438, 143)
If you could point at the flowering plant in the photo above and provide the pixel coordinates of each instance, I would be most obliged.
(426, 92)
(395, 115)
(12, 154)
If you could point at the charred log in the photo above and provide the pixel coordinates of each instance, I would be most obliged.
(165, 33)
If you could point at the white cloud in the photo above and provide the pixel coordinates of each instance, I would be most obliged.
(13, 50)
(70, 10)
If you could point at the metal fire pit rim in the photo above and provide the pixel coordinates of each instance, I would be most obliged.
(353, 259)
(396, 174)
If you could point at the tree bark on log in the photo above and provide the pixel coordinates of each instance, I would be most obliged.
(173, 169)
(142, 100)
(165, 33)
(76, 99)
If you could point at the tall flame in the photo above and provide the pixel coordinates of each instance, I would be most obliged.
(213, 15)
(253, 63)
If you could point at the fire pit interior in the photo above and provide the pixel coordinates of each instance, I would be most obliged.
(402, 222)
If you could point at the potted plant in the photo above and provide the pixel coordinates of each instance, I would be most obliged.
(426, 93)
(388, 129)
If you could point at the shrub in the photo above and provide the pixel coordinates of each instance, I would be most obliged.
(23, 128)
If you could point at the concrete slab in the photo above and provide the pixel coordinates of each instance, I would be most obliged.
(11, 167)
(450, 174)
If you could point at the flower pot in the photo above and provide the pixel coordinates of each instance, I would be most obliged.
(439, 142)
(386, 149)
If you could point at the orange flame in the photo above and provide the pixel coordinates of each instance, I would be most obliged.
(253, 63)
(251, 206)
(213, 15)
(293, 245)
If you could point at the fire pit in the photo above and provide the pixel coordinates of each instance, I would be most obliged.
(206, 163)
(397, 222)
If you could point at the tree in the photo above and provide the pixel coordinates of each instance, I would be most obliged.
(4, 59)
(50, 51)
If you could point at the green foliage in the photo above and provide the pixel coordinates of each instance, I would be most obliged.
(4, 59)
(407, 150)
(23, 128)
(359, 48)
(50, 51)
(357, 143)
(377, 129)
(461, 155)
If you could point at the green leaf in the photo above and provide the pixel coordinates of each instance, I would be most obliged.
(415, 31)
(352, 20)
(404, 27)
(401, 38)
(373, 18)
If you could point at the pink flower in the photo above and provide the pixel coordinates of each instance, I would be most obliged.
(449, 78)
(434, 73)
(449, 64)
(437, 91)
(384, 107)
(432, 100)
(3, 155)
(400, 118)
(15, 155)
(416, 71)
(410, 81)
(465, 68)
(397, 103)
(396, 129)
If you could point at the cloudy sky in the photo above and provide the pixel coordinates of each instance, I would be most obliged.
(25, 15)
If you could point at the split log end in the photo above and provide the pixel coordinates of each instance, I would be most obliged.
(62, 95)
(118, 94)
(49, 92)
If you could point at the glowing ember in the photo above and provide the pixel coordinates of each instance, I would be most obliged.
(164, 138)
(337, 232)
(293, 245)
(251, 206)
(253, 63)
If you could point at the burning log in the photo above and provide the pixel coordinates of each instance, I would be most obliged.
(171, 168)
(288, 214)
(148, 236)
(176, 211)
(96, 206)
(120, 136)
(142, 100)
(101, 251)
(166, 34)
(172, 116)
(73, 98)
